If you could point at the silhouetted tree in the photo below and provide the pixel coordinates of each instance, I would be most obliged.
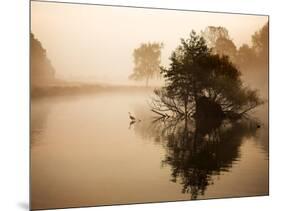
(253, 61)
(218, 39)
(226, 47)
(212, 33)
(42, 71)
(255, 57)
(182, 78)
(194, 74)
(147, 61)
(246, 57)
(260, 43)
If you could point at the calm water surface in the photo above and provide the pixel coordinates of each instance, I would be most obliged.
(85, 152)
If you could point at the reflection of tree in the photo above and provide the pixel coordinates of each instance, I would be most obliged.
(196, 151)
(39, 116)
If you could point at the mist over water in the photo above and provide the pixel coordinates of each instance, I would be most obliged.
(85, 152)
(94, 137)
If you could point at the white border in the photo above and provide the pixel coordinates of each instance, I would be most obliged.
(14, 93)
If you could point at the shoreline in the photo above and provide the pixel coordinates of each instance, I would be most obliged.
(68, 90)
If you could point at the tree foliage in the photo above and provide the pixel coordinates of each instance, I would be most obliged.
(260, 44)
(247, 57)
(212, 33)
(226, 47)
(251, 59)
(147, 60)
(195, 72)
(42, 71)
(218, 39)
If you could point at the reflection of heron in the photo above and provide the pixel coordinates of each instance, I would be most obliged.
(131, 117)
(131, 123)
(133, 120)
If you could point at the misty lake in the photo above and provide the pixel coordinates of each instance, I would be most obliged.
(84, 151)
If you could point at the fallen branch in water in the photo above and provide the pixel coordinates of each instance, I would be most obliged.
(159, 113)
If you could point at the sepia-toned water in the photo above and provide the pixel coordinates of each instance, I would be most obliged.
(85, 151)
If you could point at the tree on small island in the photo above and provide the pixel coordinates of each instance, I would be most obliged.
(199, 83)
(147, 61)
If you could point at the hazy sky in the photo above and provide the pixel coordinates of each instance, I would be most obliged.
(89, 42)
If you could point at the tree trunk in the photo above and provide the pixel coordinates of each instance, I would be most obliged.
(185, 109)
(146, 82)
(195, 95)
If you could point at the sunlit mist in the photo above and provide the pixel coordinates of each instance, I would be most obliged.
(95, 43)
(136, 105)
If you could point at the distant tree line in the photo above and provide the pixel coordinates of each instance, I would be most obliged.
(202, 81)
(251, 60)
(41, 69)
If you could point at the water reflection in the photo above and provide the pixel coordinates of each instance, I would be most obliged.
(39, 116)
(131, 123)
(197, 150)
(84, 138)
